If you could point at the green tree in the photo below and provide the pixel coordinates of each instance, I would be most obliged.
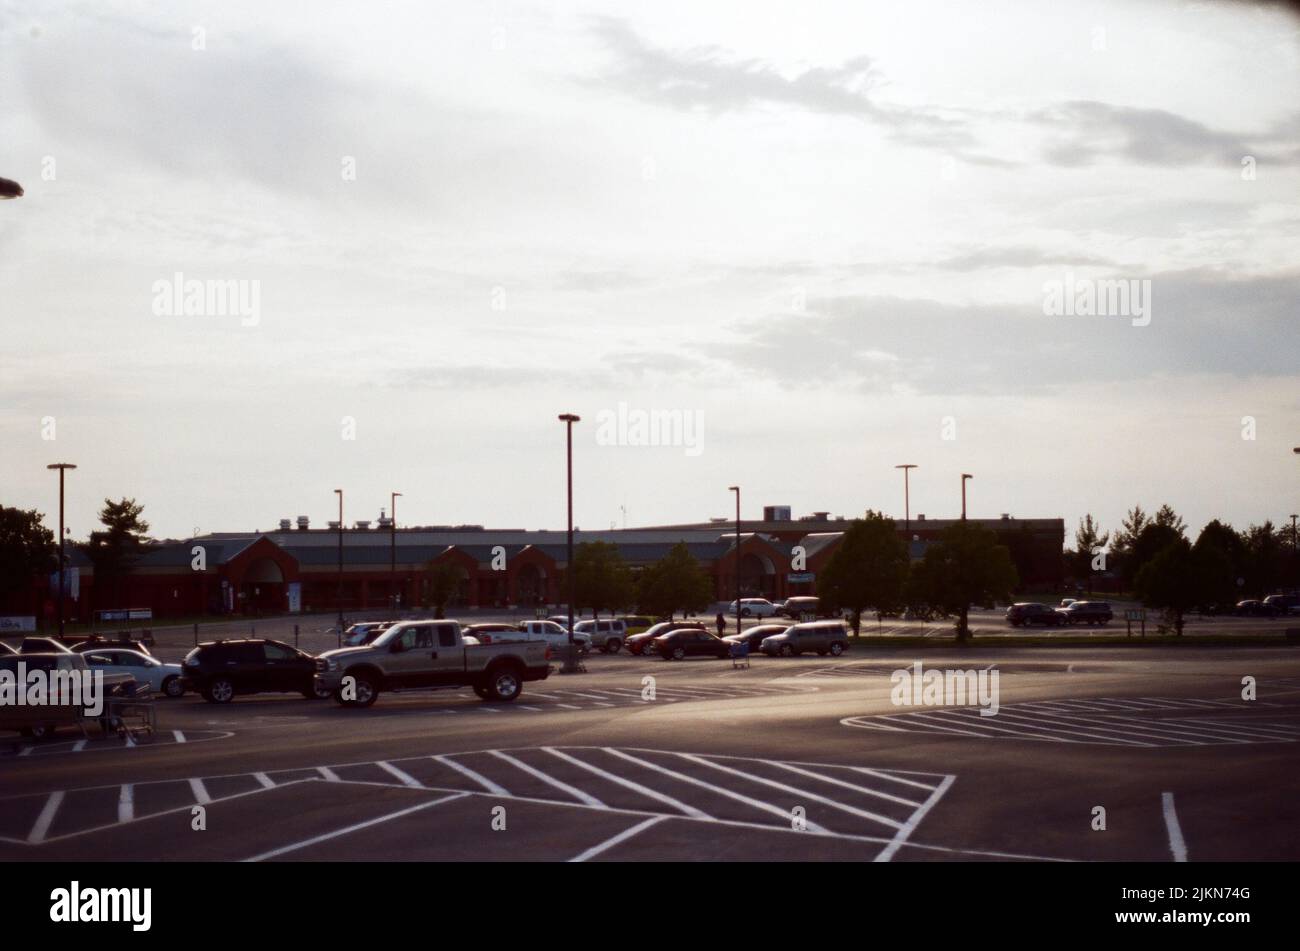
(1152, 538)
(1264, 554)
(442, 583)
(966, 566)
(675, 582)
(1222, 556)
(1171, 581)
(115, 549)
(603, 579)
(868, 569)
(1088, 540)
(27, 549)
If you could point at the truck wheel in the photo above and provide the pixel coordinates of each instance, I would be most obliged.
(614, 645)
(364, 688)
(219, 690)
(503, 684)
(837, 649)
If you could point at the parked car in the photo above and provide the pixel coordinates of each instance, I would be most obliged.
(162, 678)
(637, 623)
(1284, 603)
(753, 607)
(1026, 613)
(643, 643)
(431, 655)
(222, 670)
(1093, 613)
(557, 635)
(42, 645)
(363, 632)
(683, 642)
(103, 643)
(1254, 608)
(754, 636)
(796, 608)
(42, 721)
(485, 633)
(823, 637)
(606, 635)
(1066, 602)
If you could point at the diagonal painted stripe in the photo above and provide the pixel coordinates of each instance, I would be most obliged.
(46, 818)
(470, 774)
(646, 791)
(866, 790)
(901, 837)
(200, 791)
(406, 779)
(573, 791)
(126, 804)
(617, 839)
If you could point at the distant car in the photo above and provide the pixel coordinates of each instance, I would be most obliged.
(683, 642)
(636, 624)
(486, 633)
(42, 645)
(1066, 602)
(1088, 612)
(796, 608)
(754, 635)
(555, 634)
(1255, 608)
(221, 670)
(161, 678)
(820, 637)
(1027, 613)
(96, 643)
(606, 635)
(643, 643)
(1284, 603)
(753, 607)
(363, 632)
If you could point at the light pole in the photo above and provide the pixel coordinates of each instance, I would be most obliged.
(571, 665)
(907, 468)
(392, 546)
(736, 489)
(338, 598)
(964, 477)
(63, 565)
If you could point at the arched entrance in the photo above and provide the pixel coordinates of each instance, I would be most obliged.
(262, 589)
(757, 576)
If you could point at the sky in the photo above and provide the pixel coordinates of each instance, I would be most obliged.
(822, 237)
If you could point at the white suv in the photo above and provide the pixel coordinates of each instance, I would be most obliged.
(607, 635)
(557, 635)
(753, 607)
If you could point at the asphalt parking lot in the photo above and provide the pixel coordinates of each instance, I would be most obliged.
(641, 759)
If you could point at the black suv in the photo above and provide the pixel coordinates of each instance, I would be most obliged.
(1088, 612)
(1031, 612)
(221, 669)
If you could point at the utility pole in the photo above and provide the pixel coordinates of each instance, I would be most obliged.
(339, 595)
(964, 477)
(907, 468)
(736, 489)
(571, 665)
(63, 563)
(392, 547)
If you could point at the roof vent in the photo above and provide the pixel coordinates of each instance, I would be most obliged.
(333, 525)
(284, 524)
(920, 517)
(303, 523)
(363, 525)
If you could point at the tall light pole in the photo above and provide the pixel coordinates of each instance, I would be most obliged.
(392, 546)
(907, 468)
(338, 598)
(964, 477)
(736, 489)
(63, 564)
(571, 665)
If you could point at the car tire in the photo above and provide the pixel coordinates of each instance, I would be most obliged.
(317, 692)
(745, 612)
(504, 684)
(614, 645)
(837, 649)
(679, 653)
(787, 650)
(173, 687)
(218, 690)
(366, 690)
(41, 731)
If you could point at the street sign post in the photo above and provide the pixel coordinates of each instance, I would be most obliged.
(1136, 614)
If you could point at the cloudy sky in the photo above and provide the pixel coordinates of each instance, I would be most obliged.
(824, 232)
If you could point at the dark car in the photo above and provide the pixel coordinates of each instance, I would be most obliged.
(6, 649)
(1284, 603)
(42, 645)
(683, 642)
(1026, 613)
(1092, 613)
(754, 636)
(643, 643)
(220, 670)
(795, 608)
(1254, 608)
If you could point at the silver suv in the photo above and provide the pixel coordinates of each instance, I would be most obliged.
(608, 635)
(823, 637)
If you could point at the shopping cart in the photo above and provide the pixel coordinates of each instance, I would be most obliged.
(740, 654)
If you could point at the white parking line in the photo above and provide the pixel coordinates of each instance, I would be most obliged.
(573, 791)
(470, 774)
(839, 782)
(406, 778)
(615, 840)
(347, 830)
(264, 780)
(901, 837)
(200, 791)
(78, 746)
(1177, 847)
(629, 784)
(180, 737)
(126, 804)
(46, 818)
(328, 774)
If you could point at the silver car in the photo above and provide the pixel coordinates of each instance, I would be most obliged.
(820, 637)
